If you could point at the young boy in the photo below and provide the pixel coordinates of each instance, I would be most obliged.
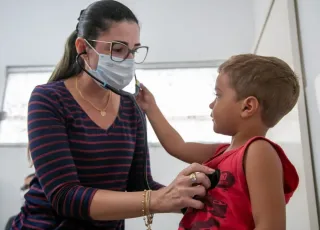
(253, 93)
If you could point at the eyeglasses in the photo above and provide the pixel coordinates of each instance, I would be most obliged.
(120, 51)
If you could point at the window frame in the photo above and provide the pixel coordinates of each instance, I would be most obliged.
(147, 66)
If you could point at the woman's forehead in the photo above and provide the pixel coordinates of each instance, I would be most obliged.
(126, 32)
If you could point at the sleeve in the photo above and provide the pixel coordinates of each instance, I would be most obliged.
(53, 161)
(136, 180)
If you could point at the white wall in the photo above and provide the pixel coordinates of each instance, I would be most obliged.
(33, 33)
(261, 9)
(280, 39)
(308, 12)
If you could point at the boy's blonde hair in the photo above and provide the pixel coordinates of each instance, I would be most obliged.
(269, 79)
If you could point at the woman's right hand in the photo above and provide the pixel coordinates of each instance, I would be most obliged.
(179, 194)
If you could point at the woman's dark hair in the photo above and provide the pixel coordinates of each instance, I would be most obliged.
(97, 18)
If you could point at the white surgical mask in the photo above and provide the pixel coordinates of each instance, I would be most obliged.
(113, 73)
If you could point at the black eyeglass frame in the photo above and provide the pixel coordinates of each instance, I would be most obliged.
(130, 51)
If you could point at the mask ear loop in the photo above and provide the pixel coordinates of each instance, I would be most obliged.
(91, 47)
(84, 69)
(93, 50)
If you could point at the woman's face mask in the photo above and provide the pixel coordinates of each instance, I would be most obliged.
(110, 72)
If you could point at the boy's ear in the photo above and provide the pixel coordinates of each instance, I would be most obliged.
(249, 106)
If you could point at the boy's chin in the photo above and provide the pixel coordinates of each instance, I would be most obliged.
(217, 129)
(222, 131)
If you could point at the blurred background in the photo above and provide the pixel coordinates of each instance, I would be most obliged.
(188, 40)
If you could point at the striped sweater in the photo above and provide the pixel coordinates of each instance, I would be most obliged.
(74, 157)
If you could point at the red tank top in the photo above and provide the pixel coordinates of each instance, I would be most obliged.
(228, 207)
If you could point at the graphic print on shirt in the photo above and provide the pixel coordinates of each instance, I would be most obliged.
(227, 180)
(206, 225)
(213, 208)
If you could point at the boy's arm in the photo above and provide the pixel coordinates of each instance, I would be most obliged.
(174, 144)
(264, 176)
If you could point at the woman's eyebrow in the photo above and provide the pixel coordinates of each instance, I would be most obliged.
(126, 43)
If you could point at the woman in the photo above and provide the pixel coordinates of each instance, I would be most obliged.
(86, 142)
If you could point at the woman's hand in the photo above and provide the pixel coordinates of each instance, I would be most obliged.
(145, 99)
(179, 194)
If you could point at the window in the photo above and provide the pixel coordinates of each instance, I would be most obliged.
(183, 94)
(19, 85)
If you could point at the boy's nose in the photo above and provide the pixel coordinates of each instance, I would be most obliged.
(211, 105)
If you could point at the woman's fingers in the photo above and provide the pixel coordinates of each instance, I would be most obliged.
(191, 182)
(203, 179)
(192, 203)
(195, 167)
(196, 179)
(198, 190)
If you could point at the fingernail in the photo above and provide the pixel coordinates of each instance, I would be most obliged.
(211, 170)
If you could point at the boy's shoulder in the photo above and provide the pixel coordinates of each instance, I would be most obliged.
(257, 145)
(261, 139)
(221, 148)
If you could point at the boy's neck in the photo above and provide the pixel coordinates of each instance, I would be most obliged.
(241, 138)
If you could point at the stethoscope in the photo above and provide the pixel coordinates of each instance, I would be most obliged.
(132, 98)
(214, 178)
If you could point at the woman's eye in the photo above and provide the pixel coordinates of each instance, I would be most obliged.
(118, 50)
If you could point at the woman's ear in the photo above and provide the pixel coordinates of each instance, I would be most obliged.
(80, 45)
(249, 106)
